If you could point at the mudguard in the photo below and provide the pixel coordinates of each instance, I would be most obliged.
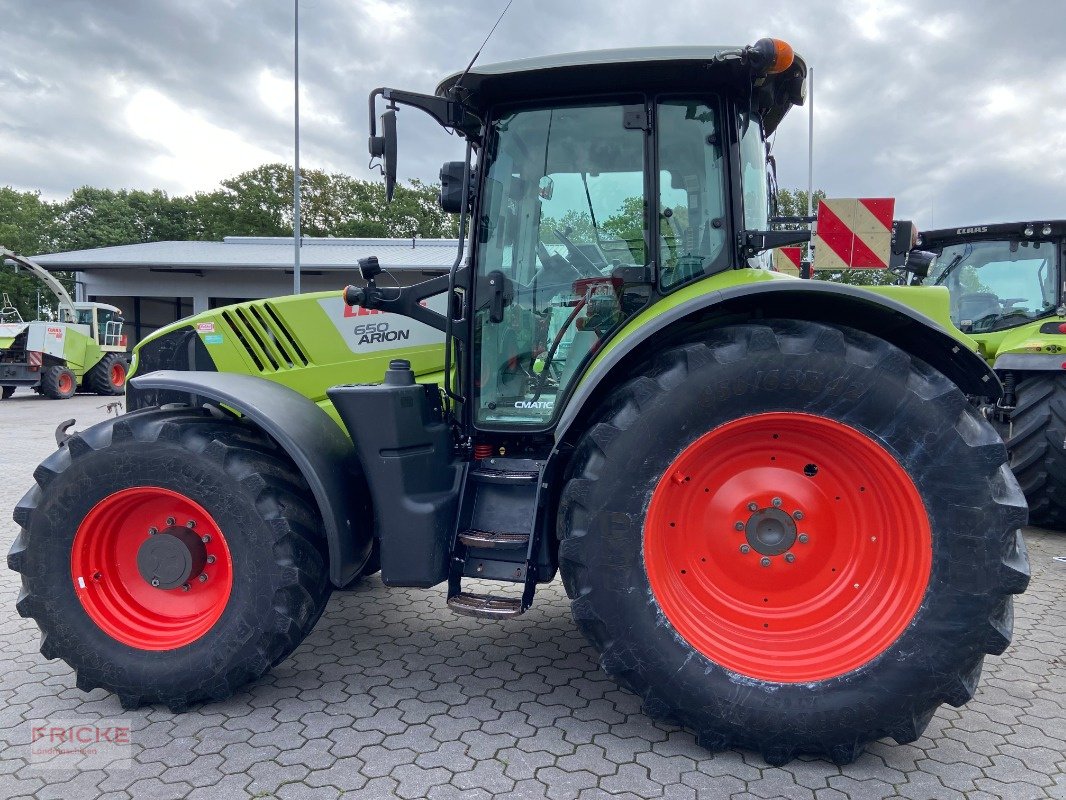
(815, 301)
(321, 450)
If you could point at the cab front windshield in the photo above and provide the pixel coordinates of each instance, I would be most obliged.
(564, 220)
(997, 284)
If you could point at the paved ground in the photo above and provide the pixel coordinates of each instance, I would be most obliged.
(393, 696)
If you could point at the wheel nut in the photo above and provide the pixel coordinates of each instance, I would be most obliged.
(203, 577)
(745, 549)
(210, 559)
(777, 502)
(753, 506)
(155, 581)
(185, 587)
(170, 520)
(152, 531)
(205, 538)
(765, 561)
(738, 525)
(789, 557)
(804, 538)
(797, 515)
(190, 524)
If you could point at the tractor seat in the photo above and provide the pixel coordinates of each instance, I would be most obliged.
(976, 305)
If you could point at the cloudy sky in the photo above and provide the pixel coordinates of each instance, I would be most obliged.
(958, 109)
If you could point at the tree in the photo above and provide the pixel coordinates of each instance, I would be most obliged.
(27, 225)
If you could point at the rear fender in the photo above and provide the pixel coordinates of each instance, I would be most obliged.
(815, 301)
(319, 447)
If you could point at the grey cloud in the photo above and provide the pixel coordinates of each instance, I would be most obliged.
(900, 114)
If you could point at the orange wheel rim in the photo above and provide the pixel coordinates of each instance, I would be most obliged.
(146, 610)
(118, 375)
(788, 547)
(66, 383)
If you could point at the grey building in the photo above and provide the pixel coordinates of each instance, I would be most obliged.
(157, 283)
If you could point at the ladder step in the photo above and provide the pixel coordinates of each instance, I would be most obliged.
(486, 606)
(489, 475)
(494, 539)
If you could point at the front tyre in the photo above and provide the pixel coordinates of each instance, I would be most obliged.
(792, 538)
(169, 556)
(1037, 447)
(108, 376)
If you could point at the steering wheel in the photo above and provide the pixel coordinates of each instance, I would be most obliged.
(577, 258)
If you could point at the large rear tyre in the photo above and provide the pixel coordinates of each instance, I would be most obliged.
(170, 557)
(1036, 442)
(58, 383)
(792, 538)
(108, 377)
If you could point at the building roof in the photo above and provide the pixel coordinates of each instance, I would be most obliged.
(260, 252)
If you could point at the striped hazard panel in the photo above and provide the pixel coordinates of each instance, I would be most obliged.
(854, 233)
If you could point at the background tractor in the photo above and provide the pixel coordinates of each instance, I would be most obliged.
(779, 516)
(1006, 287)
(83, 348)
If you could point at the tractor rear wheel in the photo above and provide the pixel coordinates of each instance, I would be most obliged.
(58, 383)
(108, 376)
(170, 557)
(1037, 445)
(793, 538)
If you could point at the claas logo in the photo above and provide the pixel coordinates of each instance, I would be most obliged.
(359, 311)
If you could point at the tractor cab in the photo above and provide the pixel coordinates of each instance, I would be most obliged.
(104, 323)
(598, 184)
(999, 276)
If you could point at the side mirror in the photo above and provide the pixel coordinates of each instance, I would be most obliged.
(384, 147)
(452, 192)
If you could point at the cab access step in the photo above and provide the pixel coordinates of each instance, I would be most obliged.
(448, 517)
(497, 537)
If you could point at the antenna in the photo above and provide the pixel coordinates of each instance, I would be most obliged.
(499, 19)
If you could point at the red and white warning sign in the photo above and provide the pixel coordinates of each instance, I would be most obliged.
(854, 233)
(787, 260)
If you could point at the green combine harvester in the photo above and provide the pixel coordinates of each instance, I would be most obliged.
(775, 504)
(84, 349)
(1006, 283)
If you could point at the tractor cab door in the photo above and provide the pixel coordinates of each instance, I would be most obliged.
(582, 217)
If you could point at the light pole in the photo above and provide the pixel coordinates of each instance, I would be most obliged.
(296, 167)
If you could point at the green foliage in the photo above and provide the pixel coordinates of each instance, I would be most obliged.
(255, 203)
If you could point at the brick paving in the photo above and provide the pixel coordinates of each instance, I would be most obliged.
(394, 696)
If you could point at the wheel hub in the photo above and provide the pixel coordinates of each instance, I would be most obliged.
(168, 559)
(770, 531)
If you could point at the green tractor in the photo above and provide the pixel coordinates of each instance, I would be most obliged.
(84, 349)
(779, 515)
(1007, 296)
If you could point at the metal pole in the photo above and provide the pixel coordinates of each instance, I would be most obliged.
(810, 141)
(810, 167)
(296, 168)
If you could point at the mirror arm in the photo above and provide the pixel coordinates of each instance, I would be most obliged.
(447, 113)
(754, 242)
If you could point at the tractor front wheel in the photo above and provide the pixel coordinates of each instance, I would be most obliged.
(1036, 442)
(792, 538)
(108, 376)
(169, 556)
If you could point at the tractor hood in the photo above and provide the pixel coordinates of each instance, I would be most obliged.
(645, 68)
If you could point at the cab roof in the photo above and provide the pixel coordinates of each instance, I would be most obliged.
(1056, 229)
(717, 68)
